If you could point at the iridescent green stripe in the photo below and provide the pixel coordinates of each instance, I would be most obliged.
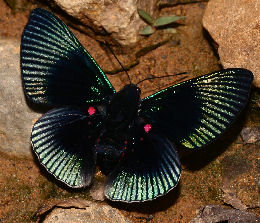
(39, 60)
(35, 49)
(51, 44)
(52, 33)
(37, 54)
(48, 41)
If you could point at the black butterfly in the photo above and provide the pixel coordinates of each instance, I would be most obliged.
(126, 136)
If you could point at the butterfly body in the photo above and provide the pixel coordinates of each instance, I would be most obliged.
(131, 139)
(122, 128)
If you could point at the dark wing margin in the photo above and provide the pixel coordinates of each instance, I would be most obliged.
(150, 169)
(197, 111)
(56, 69)
(64, 144)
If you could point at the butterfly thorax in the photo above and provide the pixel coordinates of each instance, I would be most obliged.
(123, 107)
(122, 113)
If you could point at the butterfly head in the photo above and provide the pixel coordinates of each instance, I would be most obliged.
(132, 89)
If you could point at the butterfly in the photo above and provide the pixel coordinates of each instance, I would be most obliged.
(131, 139)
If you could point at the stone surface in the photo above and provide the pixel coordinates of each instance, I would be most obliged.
(250, 134)
(16, 118)
(83, 211)
(118, 18)
(230, 198)
(217, 214)
(235, 26)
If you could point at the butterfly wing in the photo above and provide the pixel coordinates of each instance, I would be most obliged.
(197, 111)
(63, 140)
(56, 69)
(149, 169)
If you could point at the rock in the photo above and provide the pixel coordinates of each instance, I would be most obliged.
(118, 18)
(235, 26)
(80, 210)
(231, 199)
(250, 134)
(217, 214)
(16, 118)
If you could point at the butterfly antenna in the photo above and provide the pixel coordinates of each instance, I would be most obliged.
(171, 75)
(108, 46)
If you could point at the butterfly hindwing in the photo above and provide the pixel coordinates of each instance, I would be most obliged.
(56, 69)
(63, 140)
(150, 168)
(197, 111)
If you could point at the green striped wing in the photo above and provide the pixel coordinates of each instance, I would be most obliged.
(63, 140)
(197, 111)
(149, 169)
(56, 69)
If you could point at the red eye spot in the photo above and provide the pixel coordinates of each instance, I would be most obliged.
(125, 142)
(147, 127)
(91, 110)
(125, 148)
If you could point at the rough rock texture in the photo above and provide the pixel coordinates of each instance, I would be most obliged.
(250, 134)
(83, 211)
(217, 214)
(235, 26)
(230, 198)
(16, 118)
(118, 18)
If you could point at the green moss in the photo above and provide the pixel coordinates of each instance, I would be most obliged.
(25, 191)
(215, 193)
(16, 189)
(19, 194)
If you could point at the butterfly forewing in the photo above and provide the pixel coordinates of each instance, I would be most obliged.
(63, 140)
(56, 69)
(197, 111)
(149, 169)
